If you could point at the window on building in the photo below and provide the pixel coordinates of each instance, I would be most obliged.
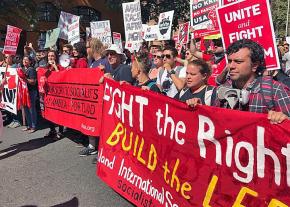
(87, 14)
(47, 12)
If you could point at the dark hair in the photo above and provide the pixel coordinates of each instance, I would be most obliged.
(144, 62)
(69, 46)
(56, 56)
(256, 52)
(204, 67)
(172, 49)
(218, 42)
(81, 49)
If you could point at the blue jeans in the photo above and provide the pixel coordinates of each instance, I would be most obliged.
(30, 113)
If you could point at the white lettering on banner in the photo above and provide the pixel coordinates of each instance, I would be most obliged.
(248, 169)
(246, 34)
(119, 99)
(179, 128)
(243, 13)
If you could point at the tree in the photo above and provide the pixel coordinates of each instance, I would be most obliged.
(151, 9)
(279, 15)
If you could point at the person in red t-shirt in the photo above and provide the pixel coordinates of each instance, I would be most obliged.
(79, 55)
(216, 58)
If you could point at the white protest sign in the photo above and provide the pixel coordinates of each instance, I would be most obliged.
(164, 25)
(132, 21)
(9, 92)
(288, 40)
(74, 32)
(102, 31)
(65, 20)
(117, 39)
(151, 33)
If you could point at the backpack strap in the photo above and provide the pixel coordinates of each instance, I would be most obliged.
(266, 84)
(178, 69)
(208, 96)
(150, 84)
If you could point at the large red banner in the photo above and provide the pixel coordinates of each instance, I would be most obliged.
(250, 20)
(72, 98)
(156, 151)
(11, 40)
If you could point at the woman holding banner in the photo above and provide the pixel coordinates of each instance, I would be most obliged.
(197, 91)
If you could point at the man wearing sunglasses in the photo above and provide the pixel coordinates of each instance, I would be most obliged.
(120, 71)
(171, 79)
(286, 59)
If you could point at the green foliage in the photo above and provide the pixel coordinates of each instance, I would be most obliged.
(151, 9)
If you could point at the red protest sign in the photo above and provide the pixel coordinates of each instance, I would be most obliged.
(156, 151)
(11, 40)
(72, 98)
(203, 17)
(225, 2)
(250, 20)
(183, 33)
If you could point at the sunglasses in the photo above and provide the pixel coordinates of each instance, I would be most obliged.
(187, 53)
(157, 56)
(111, 53)
(167, 56)
(286, 48)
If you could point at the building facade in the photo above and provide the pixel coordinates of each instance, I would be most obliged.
(45, 15)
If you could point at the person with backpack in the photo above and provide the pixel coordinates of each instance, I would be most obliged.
(255, 93)
(140, 69)
(171, 78)
(197, 89)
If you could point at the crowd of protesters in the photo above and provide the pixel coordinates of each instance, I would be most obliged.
(194, 73)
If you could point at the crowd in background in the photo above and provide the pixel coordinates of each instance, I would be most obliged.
(196, 73)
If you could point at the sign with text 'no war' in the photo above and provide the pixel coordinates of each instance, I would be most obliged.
(156, 151)
(72, 98)
(250, 20)
(10, 89)
(132, 21)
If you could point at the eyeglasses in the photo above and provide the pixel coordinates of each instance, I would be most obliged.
(6, 57)
(167, 56)
(112, 53)
(158, 56)
(65, 51)
(286, 48)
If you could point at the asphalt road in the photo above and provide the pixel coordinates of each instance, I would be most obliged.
(37, 172)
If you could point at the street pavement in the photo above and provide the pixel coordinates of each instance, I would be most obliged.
(36, 172)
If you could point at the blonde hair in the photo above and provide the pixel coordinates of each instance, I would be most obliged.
(96, 45)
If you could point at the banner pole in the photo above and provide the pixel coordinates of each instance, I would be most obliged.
(287, 21)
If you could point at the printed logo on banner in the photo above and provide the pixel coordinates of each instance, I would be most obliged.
(132, 22)
(9, 92)
(250, 20)
(102, 31)
(165, 24)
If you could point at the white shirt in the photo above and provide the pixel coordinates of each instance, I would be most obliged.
(172, 90)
